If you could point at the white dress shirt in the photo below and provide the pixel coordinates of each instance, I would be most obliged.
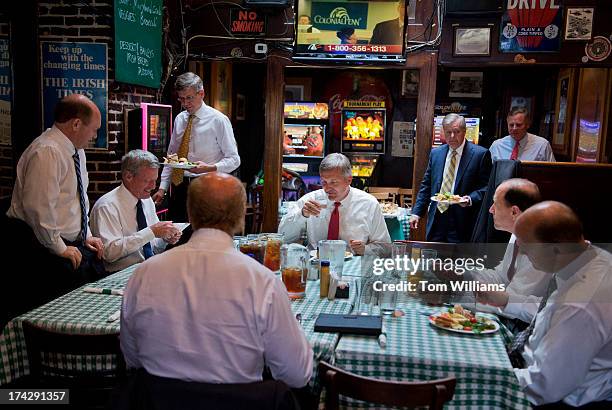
(459, 152)
(113, 219)
(361, 219)
(569, 353)
(531, 148)
(212, 141)
(45, 195)
(205, 312)
(525, 290)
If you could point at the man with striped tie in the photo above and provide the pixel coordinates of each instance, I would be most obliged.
(458, 167)
(49, 205)
(203, 136)
(125, 217)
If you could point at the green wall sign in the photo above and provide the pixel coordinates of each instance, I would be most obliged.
(138, 41)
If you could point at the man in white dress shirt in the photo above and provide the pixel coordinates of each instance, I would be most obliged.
(525, 285)
(349, 214)
(117, 215)
(49, 206)
(205, 312)
(201, 134)
(568, 353)
(520, 145)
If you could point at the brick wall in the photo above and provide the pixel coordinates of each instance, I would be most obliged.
(92, 21)
(7, 178)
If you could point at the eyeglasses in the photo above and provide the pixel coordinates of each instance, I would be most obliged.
(187, 99)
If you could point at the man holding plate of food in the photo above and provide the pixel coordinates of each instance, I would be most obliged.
(453, 185)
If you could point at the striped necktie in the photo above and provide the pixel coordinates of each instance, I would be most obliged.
(183, 151)
(77, 169)
(515, 349)
(447, 181)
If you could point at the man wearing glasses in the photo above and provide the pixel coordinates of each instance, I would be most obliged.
(203, 136)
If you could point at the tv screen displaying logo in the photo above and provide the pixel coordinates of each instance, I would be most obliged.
(355, 30)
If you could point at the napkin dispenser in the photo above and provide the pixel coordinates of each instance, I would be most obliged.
(348, 324)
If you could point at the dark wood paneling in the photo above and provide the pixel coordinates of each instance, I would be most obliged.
(576, 185)
(426, 63)
(275, 86)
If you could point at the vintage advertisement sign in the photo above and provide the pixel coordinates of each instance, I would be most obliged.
(403, 139)
(5, 92)
(531, 26)
(75, 68)
(247, 23)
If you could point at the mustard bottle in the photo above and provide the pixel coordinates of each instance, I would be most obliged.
(324, 275)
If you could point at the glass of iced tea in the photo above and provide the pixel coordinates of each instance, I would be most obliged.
(274, 241)
(253, 247)
(294, 269)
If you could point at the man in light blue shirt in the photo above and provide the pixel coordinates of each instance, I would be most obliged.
(520, 145)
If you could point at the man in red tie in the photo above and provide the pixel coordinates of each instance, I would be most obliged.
(521, 145)
(337, 211)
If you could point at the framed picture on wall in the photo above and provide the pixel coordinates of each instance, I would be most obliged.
(410, 83)
(294, 93)
(465, 84)
(579, 23)
(221, 86)
(472, 41)
(563, 112)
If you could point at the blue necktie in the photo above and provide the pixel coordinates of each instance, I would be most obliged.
(142, 223)
(77, 168)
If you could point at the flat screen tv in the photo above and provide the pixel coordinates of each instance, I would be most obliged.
(304, 140)
(351, 31)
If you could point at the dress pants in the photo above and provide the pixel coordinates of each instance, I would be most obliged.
(443, 228)
(42, 276)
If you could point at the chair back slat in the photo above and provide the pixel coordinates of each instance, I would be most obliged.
(337, 382)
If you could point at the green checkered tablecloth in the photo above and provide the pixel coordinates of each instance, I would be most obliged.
(323, 344)
(76, 312)
(416, 350)
(86, 313)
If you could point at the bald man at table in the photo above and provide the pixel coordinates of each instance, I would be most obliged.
(205, 312)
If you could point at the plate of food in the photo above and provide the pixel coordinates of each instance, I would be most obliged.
(173, 161)
(460, 320)
(314, 254)
(389, 209)
(447, 198)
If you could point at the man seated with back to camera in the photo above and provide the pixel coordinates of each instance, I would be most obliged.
(352, 215)
(563, 360)
(205, 312)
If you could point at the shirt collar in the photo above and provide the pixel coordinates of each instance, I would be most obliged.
(125, 196)
(211, 239)
(200, 112)
(64, 141)
(459, 149)
(568, 272)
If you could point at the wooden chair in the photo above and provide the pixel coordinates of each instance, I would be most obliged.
(391, 192)
(89, 388)
(383, 196)
(338, 382)
(256, 208)
(405, 197)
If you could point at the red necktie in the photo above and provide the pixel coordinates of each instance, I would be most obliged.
(514, 154)
(333, 231)
(512, 267)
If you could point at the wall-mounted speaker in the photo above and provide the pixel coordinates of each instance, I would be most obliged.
(473, 7)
